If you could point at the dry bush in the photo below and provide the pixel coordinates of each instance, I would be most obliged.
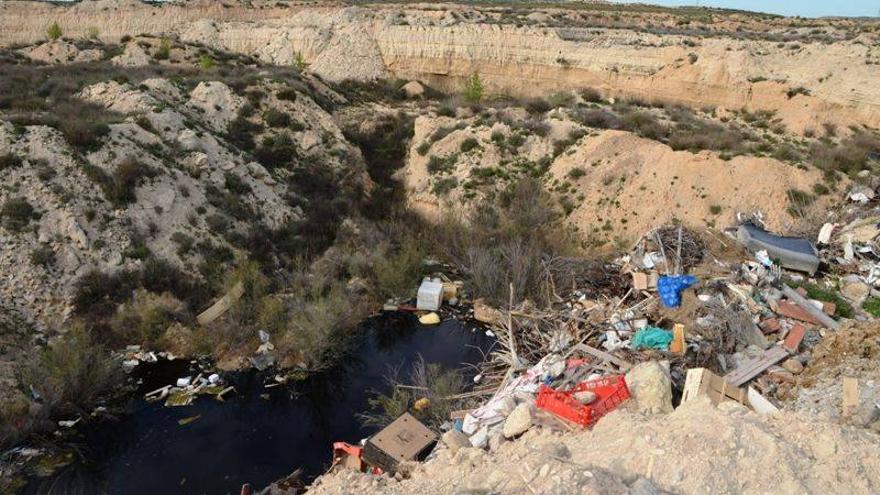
(145, 318)
(850, 156)
(73, 373)
(425, 380)
(506, 243)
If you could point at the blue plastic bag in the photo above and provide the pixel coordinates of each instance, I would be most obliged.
(670, 288)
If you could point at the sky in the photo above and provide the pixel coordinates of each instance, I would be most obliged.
(803, 8)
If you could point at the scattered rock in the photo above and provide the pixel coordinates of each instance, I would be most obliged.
(793, 365)
(519, 420)
(854, 289)
(650, 388)
(455, 440)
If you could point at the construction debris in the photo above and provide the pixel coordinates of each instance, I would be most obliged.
(685, 311)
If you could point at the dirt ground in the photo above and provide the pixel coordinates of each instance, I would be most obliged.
(697, 449)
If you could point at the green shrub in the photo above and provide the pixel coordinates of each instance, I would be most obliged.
(820, 189)
(446, 110)
(9, 161)
(54, 31)
(286, 94)
(397, 274)
(16, 214)
(164, 50)
(591, 95)
(299, 61)
(800, 90)
(43, 256)
(276, 118)
(473, 89)
(516, 140)
(843, 308)
(444, 185)
(240, 132)
(73, 374)
(277, 151)
(428, 380)
(207, 62)
(423, 148)
(872, 306)
(576, 173)
(469, 144)
(145, 319)
(184, 242)
(437, 164)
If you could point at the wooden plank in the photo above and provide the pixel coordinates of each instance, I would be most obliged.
(677, 345)
(850, 395)
(620, 363)
(755, 367)
(222, 305)
(701, 381)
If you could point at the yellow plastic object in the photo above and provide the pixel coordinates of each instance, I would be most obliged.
(429, 319)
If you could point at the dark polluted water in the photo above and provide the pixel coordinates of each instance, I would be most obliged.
(249, 438)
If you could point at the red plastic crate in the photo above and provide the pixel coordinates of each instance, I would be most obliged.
(610, 392)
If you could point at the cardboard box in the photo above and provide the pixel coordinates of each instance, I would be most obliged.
(701, 381)
(403, 440)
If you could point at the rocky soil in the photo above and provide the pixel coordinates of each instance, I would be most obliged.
(614, 185)
(180, 136)
(698, 448)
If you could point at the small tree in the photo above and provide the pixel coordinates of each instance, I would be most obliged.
(54, 31)
(473, 89)
(299, 61)
(164, 50)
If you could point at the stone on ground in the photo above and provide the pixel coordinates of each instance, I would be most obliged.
(650, 388)
(519, 421)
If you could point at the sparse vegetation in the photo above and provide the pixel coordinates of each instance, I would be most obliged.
(800, 90)
(469, 144)
(576, 173)
(163, 52)
(43, 256)
(9, 161)
(16, 213)
(74, 374)
(54, 31)
(207, 62)
(473, 89)
(425, 380)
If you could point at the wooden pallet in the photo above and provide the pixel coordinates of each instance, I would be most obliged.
(755, 367)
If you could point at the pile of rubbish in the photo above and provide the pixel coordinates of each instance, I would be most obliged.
(729, 315)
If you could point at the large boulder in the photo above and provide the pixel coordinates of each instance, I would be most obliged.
(413, 89)
(519, 420)
(650, 387)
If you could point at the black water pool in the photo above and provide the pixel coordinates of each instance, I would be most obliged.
(252, 438)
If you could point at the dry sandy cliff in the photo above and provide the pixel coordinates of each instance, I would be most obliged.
(615, 184)
(534, 54)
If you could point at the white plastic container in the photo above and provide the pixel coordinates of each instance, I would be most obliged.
(430, 295)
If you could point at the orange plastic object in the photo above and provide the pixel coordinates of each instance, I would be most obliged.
(350, 456)
(610, 392)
